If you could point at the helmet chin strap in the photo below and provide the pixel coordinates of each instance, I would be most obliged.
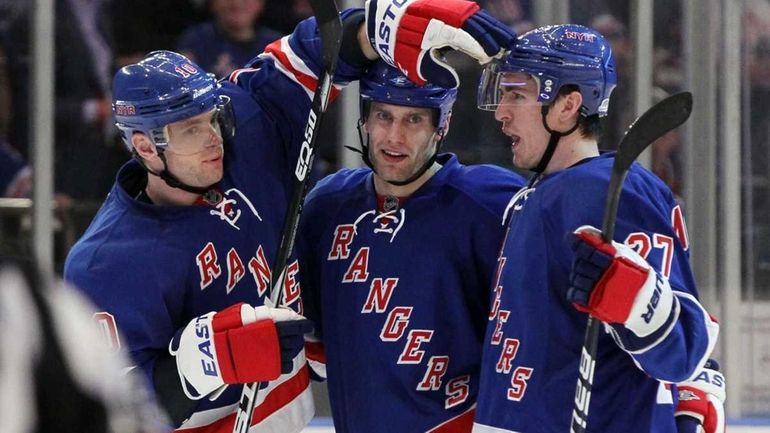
(554, 140)
(364, 151)
(169, 178)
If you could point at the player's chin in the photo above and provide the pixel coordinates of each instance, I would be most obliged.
(521, 162)
(212, 176)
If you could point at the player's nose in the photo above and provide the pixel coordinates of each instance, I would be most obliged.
(503, 113)
(396, 133)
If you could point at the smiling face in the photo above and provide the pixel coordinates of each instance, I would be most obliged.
(520, 113)
(195, 150)
(401, 139)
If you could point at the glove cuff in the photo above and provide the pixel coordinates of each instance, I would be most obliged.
(652, 306)
(252, 353)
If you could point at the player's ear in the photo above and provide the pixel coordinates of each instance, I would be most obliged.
(143, 146)
(570, 105)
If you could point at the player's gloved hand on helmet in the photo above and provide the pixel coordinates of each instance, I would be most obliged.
(701, 402)
(616, 285)
(240, 344)
(408, 33)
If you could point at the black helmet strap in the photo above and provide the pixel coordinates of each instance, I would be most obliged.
(167, 176)
(552, 142)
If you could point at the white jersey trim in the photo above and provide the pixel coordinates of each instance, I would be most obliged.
(291, 418)
(712, 329)
(285, 71)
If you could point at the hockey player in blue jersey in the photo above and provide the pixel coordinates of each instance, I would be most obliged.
(179, 256)
(396, 263)
(549, 93)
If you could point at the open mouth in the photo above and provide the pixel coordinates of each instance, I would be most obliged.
(393, 156)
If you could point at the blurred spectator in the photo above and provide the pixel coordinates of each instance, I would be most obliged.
(283, 15)
(9, 11)
(86, 157)
(666, 161)
(478, 139)
(667, 155)
(232, 38)
(759, 114)
(621, 112)
(142, 26)
(756, 20)
(15, 173)
(517, 14)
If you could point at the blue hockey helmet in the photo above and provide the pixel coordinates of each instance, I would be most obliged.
(556, 56)
(163, 88)
(386, 84)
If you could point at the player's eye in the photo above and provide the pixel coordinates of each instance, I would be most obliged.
(511, 95)
(381, 115)
(414, 118)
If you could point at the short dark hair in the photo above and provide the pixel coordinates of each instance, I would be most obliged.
(589, 126)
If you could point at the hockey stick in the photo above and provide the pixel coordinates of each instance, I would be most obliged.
(330, 26)
(653, 124)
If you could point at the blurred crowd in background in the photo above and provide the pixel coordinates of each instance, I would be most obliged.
(96, 37)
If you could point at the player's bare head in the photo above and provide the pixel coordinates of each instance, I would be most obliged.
(410, 116)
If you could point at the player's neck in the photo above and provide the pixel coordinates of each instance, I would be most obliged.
(384, 188)
(571, 150)
(164, 195)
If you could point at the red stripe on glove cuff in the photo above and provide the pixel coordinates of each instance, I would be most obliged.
(228, 318)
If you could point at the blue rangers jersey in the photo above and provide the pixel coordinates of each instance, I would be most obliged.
(153, 268)
(534, 336)
(400, 297)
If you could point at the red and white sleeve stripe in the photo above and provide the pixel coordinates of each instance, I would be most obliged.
(291, 65)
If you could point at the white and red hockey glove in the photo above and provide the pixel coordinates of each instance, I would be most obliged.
(701, 402)
(408, 33)
(240, 344)
(616, 285)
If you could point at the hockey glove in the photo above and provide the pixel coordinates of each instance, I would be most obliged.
(616, 285)
(701, 402)
(408, 33)
(240, 344)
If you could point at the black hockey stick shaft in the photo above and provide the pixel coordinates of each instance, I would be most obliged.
(653, 124)
(330, 26)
